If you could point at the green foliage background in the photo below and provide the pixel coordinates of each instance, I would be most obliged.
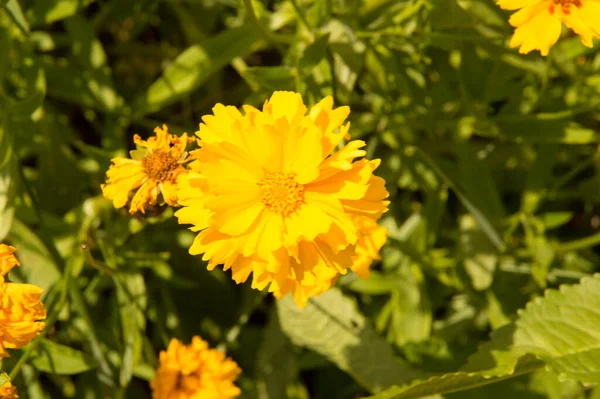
(490, 157)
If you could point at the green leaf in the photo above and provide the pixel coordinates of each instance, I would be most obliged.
(47, 12)
(54, 358)
(194, 66)
(478, 182)
(4, 378)
(131, 294)
(547, 129)
(452, 382)
(15, 13)
(7, 210)
(348, 58)
(332, 326)
(269, 78)
(563, 329)
(552, 220)
(88, 50)
(486, 226)
(37, 266)
(479, 254)
(276, 365)
(539, 177)
(314, 53)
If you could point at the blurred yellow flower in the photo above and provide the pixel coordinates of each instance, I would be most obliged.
(152, 170)
(194, 372)
(7, 259)
(269, 196)
(8, 391)
(539, 22)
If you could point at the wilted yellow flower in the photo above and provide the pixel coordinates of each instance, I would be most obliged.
(539, 22)
(152, 170)
(7, 259)
(8, 391)
(194, 372)
(270, 197)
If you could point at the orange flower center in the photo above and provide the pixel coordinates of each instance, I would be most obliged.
(160, 165)
(280, 193)
(565, 5)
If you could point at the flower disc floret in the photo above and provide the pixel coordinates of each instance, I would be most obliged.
(280, 193)
(271, 197)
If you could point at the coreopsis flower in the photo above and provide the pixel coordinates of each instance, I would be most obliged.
(7, 259)
(152, 170)
(194, 372)
(539, 22)
(8, 391)
(270, 197)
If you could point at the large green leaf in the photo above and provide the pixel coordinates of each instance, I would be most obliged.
(563, 329)
(54, 358)
(332, 326)
(194, 66)
(452, 382)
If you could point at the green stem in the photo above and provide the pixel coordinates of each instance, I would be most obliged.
(302, 18)
(232, 334)
(582, 243)
(574, 172)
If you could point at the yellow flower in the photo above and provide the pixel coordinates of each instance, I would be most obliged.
(8, 391)
(269, 196)
(153, 169)
(20, 307)
(7, 259)
(539, 22)
(194, 372)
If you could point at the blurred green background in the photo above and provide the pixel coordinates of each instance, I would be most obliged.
(490, 158)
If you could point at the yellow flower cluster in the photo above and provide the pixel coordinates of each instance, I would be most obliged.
(539, 22)
(20, 313)
(272, 193)
(194, 372)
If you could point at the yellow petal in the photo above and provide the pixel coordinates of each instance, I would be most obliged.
(585, 21)
(516, 4)
(537, 29)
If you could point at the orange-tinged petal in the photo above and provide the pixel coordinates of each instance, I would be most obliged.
(7, 259)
